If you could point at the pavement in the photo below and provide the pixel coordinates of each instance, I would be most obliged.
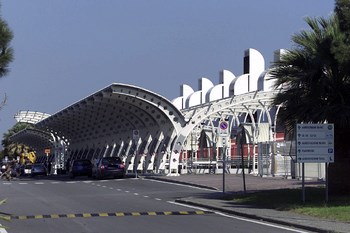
(234, 184)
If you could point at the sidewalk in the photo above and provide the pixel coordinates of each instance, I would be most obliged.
(234, 183)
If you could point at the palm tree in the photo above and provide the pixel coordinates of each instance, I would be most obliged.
(342, 10)
(315, 84)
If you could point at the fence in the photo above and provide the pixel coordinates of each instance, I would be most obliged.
(262, 159)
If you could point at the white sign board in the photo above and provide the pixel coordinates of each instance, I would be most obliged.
(315, 143)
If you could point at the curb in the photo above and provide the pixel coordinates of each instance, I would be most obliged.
(212, 206)
(233, 212)
(252, 216)
(179, 182)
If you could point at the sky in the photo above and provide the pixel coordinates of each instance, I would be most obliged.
(66, 50)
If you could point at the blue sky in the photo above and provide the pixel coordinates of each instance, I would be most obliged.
(66, 50)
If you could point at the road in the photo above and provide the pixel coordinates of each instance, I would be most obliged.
(122, 205)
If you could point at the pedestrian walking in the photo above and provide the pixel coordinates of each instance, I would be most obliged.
(8, 171)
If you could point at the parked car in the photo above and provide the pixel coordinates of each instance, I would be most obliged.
(26, 169)
(38, 169)
(80, 167)
(108, 167)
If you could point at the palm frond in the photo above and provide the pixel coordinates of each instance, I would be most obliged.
(315, 82)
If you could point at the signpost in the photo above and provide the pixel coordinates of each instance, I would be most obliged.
(47, 152)
(242, 141)
(223, 132)
(314, 144)
(135, 137)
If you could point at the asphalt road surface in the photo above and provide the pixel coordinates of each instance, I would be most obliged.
(121, 205)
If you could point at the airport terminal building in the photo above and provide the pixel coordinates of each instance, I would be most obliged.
(228, 126)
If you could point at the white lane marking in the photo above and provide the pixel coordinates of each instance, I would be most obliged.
(242, 219)
(262, 223)
(87, 181)
(39, 183)
(2, 230)
(119, 190)
(190, 206)
(22, 183)
(136, 194)
(110, 188)
(6, 183)
(72, 182)
(127, 191)
(157, 199)
(146, 196)
(185, 185)
(104, 186)
(55, 182)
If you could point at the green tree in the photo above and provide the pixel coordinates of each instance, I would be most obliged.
(342, 10)
(6, 52)
(315, 85)
(341, 47)
(13, 149)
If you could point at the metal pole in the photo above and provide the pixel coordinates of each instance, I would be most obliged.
(243, 173)
(303, 181)
(47, 164)
(327, 165)
(135, 160)
(136, 165)
(243, 141)
(223, 169)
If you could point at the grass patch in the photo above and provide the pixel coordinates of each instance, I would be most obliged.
(337, 208)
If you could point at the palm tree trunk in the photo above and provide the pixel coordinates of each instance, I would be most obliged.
(339, 171)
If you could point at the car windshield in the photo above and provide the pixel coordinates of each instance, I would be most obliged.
(82, 163)
(111, 160)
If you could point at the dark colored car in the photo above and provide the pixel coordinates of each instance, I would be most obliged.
(38, 169)
(26, 169)
(80, 167)
(108, 167)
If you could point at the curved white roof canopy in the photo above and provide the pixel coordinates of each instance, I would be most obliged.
(31, 117)
(114, 112)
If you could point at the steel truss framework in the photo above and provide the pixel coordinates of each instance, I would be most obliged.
(40, 141)
(254, 107)
(142, 127)
(37, 139)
